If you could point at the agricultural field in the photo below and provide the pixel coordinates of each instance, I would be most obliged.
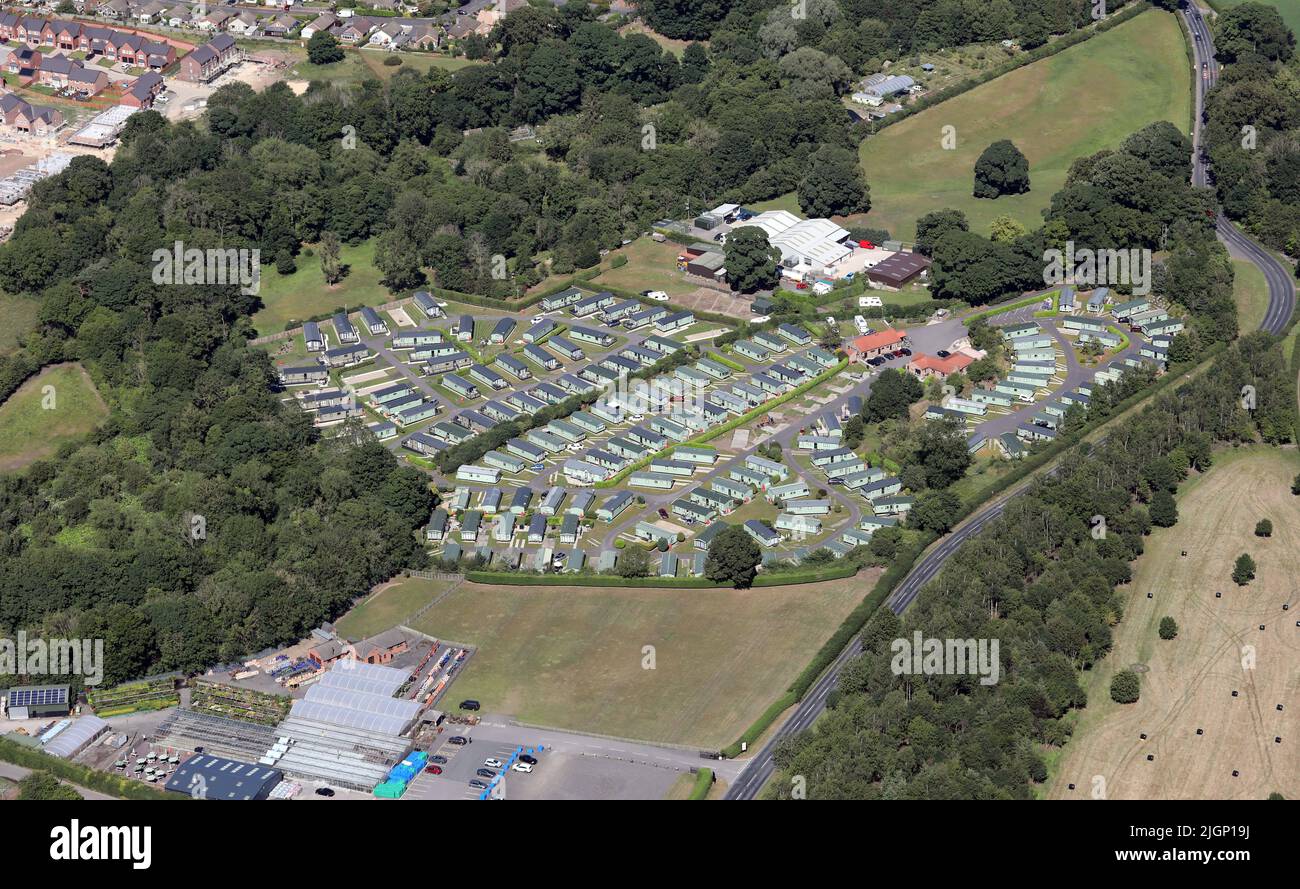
(1085, 98)
(1187, 683)
(30, 430)
(571, 657)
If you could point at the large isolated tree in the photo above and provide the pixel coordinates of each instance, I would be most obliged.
(323, 49)
(891, 394)
(733, 558)
(1000, 170)
(751, 260)
(833, 184)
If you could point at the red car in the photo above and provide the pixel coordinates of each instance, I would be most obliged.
(802, 285)
(433, 770)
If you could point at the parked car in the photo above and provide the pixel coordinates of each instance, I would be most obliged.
(522, 767)
(943, 353)
(876, 362)
(440, 760)
(663, 513)
(475, 782)
(493, 763)
(433, 770)
(469, 704)
(904, 351)
(458, 740)
(324, 791)
(538, 467)
(486, 773)
(531, 760)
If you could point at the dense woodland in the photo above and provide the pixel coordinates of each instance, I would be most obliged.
(1253, 125)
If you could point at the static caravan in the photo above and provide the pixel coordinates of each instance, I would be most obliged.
(818, 443)
(768, 384)
(459, 385)
(770, 341)
(792, 491)
(561, 300)
(1022, 391)
(464, 329)
(425, 302)
(391, 393)
(376, 325)
(808, 507)
(437, 528)
(416, 414)
(539, 330)
(713, 369)
(613, 507)
(731, 488)
(424, 443)
(513, 366)
(545, 440)
(469, 526)
(590, 305)
(692, 512)
(570, 528)
(764, 535)
(344, 330)
(587, 335)
(673, 467)
(525, 402)
(586, 422)
(501, 332)
(549, 392)
(892, 505)
(662, 345)
(503, 461)
(500, 412)
(701, 456)
(552, 500)
(409, 339)
(566, 430)
(1013, 331)
(798, 525)
(795, 334)
(346, 356)
(487, 376)
(300, 376)
(520, 500)
(986, 396)
(312, 338)
(537, 528)
(566, 349)
(675, 321)
(526, 450)
(504, 528)
(655, 480)
(541, 357)
(769, 468)
(620, 310)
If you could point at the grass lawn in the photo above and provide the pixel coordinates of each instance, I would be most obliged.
(650, 266)
(305, 293)
(390, 606)
(1250, 290)
(20, 314)
(29, 430)
(1290, 9)
(1088, 97)
(571, 657)
(419, 62)
(1187, 683)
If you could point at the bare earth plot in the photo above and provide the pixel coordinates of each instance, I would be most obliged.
(1188, 682)
(572, 657)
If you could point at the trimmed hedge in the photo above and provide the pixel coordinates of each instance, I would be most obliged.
(703, 783)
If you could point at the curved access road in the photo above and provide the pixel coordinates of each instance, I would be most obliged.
(1281, 304)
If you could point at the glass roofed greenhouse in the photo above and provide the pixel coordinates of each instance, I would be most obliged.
(348, 730)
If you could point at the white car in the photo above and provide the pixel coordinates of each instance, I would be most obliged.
(522, 767)
(493, 763)
(657, 296)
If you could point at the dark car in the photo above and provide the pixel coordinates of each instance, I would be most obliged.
(485, 773)
(324, 791)
(903, 352)
(458, 740)
(433, 770)
(475, 782)
(531, 760)
(876, 362)
(663, 513)
(440, 760)
(469, 704)
(943, 353)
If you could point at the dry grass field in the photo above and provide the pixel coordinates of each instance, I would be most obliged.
(572, 657)
(1187, 683)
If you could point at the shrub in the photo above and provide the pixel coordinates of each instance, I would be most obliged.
(1124, 687)
(1168, 628)
(392, 61)
(1264, 528)
(1244, 571)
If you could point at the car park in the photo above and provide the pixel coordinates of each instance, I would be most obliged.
(475, 782)
(433, 770)
(439, 760)
(531, 760)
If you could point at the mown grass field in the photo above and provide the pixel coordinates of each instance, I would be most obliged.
(29, 430)
(390, 606)
(1187, 682)
(1088, 97)
(303, 294)
(572, 657)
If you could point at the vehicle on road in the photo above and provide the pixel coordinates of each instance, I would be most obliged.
(469, 704)
(458, 740)
(663, 513)
(522, 767)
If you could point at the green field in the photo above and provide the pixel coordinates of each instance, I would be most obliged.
(35, 420)
(303, 294)
(1088, 97)
(20, 314)
(1290, 10)
(572, 657)
(359, 65)
(389, 607)
(1251, 293)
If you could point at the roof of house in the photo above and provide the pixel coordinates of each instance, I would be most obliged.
(952, 364)
(879, 340)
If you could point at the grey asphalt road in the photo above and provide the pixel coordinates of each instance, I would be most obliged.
(1281, 293)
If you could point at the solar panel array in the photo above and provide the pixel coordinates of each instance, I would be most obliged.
(36, 697)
